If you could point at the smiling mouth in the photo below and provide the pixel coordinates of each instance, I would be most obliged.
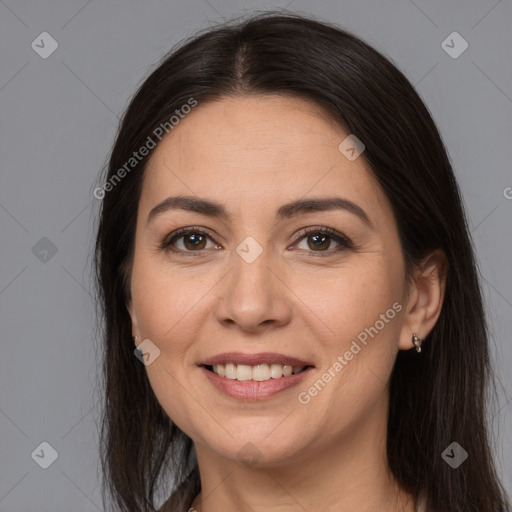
(258, 373)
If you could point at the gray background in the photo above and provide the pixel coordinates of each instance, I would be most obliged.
(58, 121)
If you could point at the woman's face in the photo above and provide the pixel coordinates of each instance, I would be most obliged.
(252, 291)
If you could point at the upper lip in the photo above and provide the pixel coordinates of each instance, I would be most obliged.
(254, 359)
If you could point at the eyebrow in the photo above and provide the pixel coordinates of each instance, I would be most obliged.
(287, 211)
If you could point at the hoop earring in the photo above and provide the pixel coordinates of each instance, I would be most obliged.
(417, 342)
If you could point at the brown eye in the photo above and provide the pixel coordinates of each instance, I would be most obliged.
(193, 240)
(319, 240)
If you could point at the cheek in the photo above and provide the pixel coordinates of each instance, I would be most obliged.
(359, 297)
(362, 311)
(167, 306)
(164, 303)
(163, 319)
(177, 397)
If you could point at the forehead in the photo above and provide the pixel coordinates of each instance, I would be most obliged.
(270, 128)
(252, 150)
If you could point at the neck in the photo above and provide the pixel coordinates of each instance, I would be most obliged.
(350, 473)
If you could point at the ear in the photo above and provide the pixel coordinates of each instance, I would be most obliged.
(425, 300)
(135, 325)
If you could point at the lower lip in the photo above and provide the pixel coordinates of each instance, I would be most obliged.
(253, 390)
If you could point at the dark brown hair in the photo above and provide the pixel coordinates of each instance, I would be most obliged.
(436, 398)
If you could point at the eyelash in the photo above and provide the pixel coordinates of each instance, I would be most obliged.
(344, 242)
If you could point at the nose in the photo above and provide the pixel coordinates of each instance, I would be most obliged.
(254, 296)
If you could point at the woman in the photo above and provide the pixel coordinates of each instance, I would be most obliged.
(293, 318)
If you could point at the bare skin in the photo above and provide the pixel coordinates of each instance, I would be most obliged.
(253, 154)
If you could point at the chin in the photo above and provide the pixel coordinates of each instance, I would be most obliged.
(258, 449)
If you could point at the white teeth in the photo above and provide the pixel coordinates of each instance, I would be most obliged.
(230, 371)
(276, 371)
(287, 370)
(260, 372)
(243, 372)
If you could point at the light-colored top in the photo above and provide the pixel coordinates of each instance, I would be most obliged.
(422, 504)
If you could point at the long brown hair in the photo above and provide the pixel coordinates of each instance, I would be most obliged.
(435, 399)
